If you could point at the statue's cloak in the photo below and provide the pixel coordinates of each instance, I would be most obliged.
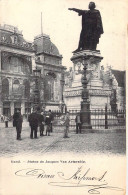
(91, 24)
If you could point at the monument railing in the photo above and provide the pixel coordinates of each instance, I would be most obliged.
(99, 118)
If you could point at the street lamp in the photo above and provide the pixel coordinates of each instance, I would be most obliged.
(85, 104)
(36, 99)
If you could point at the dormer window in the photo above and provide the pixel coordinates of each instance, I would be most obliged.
(14, 39)
(51, 48)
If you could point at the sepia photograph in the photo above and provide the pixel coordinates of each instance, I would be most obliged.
(63, 97)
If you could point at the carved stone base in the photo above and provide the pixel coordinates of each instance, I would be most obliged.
(89, 61)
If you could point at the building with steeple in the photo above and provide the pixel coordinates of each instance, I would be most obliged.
(49, 61)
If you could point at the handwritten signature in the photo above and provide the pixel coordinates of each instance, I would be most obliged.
(78, 179)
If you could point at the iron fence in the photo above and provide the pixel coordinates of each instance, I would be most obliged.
(99, 119)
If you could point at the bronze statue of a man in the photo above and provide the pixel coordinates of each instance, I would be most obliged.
(91, 27)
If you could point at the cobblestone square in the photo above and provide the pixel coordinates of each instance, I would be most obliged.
(99, 142)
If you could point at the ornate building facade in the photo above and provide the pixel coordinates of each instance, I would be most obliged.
(18, 59)
(15, 70)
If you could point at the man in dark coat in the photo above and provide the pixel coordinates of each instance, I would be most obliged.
(14, 119)
(51, 117)
(33, 122)
(91, 27)
(48, 120)
(18, 119)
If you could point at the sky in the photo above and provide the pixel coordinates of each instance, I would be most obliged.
(64, 26)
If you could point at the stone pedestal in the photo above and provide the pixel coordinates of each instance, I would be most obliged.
(90, 61)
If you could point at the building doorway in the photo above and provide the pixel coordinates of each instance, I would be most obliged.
(17, 106)
(6, 111)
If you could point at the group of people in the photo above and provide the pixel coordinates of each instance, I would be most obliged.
(44, 121)
(41, 120)
(5, 119)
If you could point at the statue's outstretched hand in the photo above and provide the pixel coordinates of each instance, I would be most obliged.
(70, 9)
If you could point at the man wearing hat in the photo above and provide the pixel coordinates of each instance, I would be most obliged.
(51, 118)
(17, 117)
(33, 122)
(41, 122)
(48, 120)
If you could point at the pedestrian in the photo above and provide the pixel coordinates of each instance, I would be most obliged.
(14, 119)
(45, 113)
(66, 123)
(78, 123)
(2, 118)
(33, 122)
(51, 117)
(18, 119)
(41, 120)
(6, 121)
(48, 123)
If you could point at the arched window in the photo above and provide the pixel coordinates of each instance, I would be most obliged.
(5, 87)
(16, 86)
(14, 63)
(26, 88)
(49, 87)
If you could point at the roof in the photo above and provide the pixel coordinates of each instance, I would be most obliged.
(7, 34)
(120, 77)
(44, 45)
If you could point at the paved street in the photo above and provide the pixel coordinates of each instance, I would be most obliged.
(106, 142)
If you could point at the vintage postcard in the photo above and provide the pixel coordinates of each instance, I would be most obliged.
(63, 97)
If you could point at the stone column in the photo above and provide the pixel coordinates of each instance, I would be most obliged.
(33, 62)
(23, 108)
(12, 108)
(10, 86)
(36, 102)
(41, 89)
(86, 58)
(62, 82)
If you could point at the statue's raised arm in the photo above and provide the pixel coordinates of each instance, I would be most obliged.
(91, 27)
(79, 11)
